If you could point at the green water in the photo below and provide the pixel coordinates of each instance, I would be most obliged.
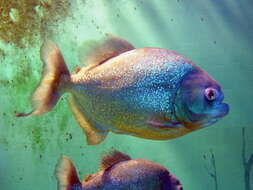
(216, 35)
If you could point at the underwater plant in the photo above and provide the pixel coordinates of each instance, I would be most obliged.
(212, 169)
(247, 163)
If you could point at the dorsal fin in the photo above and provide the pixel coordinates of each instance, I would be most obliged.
(97, 52)
(111, 158)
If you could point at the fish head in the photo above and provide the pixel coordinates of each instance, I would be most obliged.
(175, 183)
(199, 100)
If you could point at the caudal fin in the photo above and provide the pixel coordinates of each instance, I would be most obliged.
(55, 73)
(66, 175)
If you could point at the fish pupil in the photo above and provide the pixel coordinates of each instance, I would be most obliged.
(210, 94)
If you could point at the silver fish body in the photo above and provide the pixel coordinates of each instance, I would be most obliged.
(151, 93)
(129, 90)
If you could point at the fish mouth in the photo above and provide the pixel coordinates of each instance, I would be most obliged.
(210, 122)
(219, 112)
(179, 188)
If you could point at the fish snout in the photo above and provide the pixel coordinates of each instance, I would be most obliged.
(179, 188)
(223, 110)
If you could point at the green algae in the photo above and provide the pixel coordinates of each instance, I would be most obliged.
(38, 140)
(23, 75)
(2, 54)
(4, 142)
(21, 21)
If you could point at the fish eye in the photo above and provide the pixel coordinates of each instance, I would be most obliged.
(211, 94)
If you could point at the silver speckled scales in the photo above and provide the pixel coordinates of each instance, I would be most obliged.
(138, 81)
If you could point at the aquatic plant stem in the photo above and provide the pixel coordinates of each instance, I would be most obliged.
(212, 173)
(246, 163)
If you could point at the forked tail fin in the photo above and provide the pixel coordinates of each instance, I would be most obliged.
(66, 175)
(55, 73)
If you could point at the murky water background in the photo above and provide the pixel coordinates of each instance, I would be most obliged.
(216, 35)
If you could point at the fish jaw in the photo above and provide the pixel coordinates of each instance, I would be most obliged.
(207, 119)
(175, 183)
(222, 110)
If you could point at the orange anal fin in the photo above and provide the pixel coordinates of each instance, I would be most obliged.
(94, 134)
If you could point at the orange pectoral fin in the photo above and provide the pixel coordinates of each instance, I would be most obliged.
(159, 124)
